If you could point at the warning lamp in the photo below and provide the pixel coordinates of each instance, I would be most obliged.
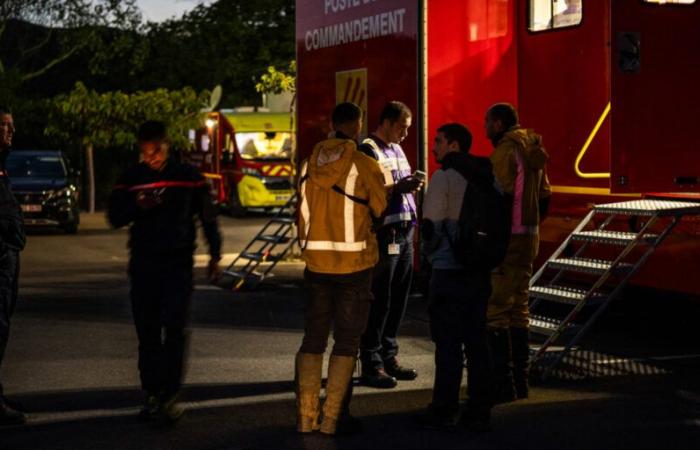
(210, 123)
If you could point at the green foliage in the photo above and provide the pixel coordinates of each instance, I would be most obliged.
(111, 119)
(275, 81)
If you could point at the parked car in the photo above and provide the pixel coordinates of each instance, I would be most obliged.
(45, 187)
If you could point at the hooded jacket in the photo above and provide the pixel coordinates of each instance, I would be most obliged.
(341, 190)
(11, 222)
(519, 164)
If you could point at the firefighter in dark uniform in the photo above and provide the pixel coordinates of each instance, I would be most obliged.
(160, 198)
(12, 241)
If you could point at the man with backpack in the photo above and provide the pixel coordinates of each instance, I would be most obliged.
(455, 212)
(519, 164)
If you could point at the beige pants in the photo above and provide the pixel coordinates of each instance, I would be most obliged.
(508, 305)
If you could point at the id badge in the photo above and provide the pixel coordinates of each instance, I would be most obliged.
(394, 249)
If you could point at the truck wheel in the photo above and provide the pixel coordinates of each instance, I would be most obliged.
(235, 208)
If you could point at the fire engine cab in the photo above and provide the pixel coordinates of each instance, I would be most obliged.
(246, 158)
(611, 85)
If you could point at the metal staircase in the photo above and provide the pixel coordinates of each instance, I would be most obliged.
(272, 243)
(563, 309)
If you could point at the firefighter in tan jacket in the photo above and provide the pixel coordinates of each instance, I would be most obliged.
(341, 189)
(519, 165)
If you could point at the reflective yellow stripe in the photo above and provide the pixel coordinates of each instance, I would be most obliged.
(589, 191)
(350, 205)
(215, 176)
(305, 213)
(334, 246)
(587, 144)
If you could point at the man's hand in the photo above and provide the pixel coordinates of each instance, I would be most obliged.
(408, 185)
(213, 270)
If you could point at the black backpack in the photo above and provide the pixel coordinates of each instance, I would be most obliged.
(483, 229)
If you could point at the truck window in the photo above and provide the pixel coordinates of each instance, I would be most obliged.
(551, 14)
(264, 145)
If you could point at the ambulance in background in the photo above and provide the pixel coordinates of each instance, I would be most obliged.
(246, 158)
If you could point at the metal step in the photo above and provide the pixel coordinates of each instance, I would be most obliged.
(260, 257)
(274, 239)
(543, 325)
(649, 207)
(620, 238)
(289, 220)
(562, 294)
(585, 265)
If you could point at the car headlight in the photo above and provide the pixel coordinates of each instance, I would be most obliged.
(57, 194)
(250, 171)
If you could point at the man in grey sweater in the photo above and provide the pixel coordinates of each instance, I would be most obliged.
(458, 297)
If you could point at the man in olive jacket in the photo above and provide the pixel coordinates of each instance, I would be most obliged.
(519, 165)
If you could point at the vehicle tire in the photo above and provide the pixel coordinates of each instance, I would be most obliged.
(72, 226)
(235, 208)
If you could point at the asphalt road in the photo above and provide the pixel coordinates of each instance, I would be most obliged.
(72, 362)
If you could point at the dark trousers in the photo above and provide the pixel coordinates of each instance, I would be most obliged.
(391, 283)
(161, 290)
(457, 311)
(9, 273)
(339, 299)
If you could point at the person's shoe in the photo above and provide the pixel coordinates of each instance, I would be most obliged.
(433, 419)
(10, 416)
(394, 369)
(170, 411)
(149, 411)
(378, 379)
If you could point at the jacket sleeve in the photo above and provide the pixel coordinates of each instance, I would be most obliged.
(122, 208)
(504, 168)
(545, 188)
(208, 213)
(376, 188)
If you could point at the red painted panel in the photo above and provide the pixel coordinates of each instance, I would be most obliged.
(656, 108)
(391, 61)
(564, 87)
(471, 64)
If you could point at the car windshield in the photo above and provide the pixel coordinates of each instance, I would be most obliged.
(32, 165)
(265, 145)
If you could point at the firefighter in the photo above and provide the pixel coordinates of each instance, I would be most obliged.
(12, 240)
(519, 164)
(160, 198)
(341, 189)
(458, 295)
(393, 274)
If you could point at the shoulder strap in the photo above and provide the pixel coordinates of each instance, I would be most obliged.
(361, 201)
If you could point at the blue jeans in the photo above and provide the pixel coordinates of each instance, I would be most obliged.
(457, 313)
(391, 284)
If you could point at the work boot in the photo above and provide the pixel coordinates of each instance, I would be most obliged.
(475, 418)
(394, 369)
(149, 411)
(499, 343)
(378, 378)
(340, 371)
(170, 411)
(308, 387)
(520, 338)
(438, 418)
(10, 416)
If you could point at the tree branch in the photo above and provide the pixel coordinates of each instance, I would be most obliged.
(50, 65)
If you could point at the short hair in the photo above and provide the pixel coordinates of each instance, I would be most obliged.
(5, 110)
(151, 130)
(456, 132)
(393, 111)
(345, 113)
(506, 113)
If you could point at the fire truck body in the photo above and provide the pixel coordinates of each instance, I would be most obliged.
(246, 157)
(610, 88)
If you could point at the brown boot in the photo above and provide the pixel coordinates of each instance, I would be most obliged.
(308, 387)
(340, 371)
(520, 338)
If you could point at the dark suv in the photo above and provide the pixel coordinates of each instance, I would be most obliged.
(45, 187)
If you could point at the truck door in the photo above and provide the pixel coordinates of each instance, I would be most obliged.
(655, 96)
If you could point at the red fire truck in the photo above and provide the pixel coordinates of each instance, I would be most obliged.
(246, 157)
(610, 84)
